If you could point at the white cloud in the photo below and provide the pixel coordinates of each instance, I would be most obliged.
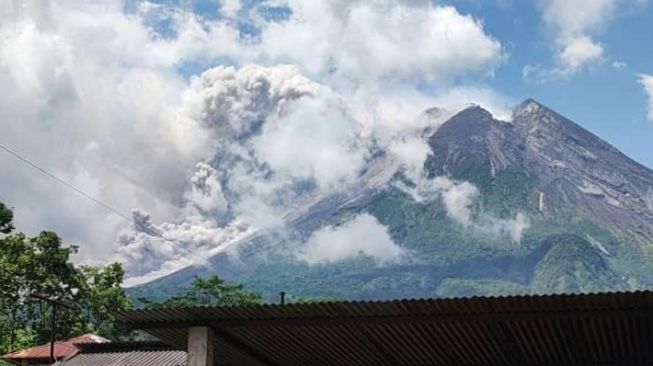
(380, 39)
(647, 83)
(619, 65)
(88, 104)
(230, 8)
(574, 23)
(412, 152)
(458, 199)
(573, 18)
(579, 52)
(315, 140)
(386, 110)
(363, 235)
(517, 226)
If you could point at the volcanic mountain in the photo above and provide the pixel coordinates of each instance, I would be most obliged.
(557, 209)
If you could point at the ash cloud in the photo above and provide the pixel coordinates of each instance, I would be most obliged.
(225, 153)
(279, 140)
(282, 141)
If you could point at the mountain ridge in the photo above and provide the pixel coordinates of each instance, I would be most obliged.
(590, 211)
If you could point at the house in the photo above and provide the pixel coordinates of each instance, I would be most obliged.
(587, 329)
(40, 355)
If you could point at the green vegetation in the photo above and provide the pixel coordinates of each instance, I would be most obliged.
(573, 265)
(6, 218)
(502, 192)
(456, 287)
(42, 265)
(562, 250)
(211, 291)
(311, 300)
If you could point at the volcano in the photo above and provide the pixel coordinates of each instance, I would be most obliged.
(586, 209)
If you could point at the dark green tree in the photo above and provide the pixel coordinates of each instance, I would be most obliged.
(211, 291)
(6, 218)
(38, 265)
(42, 265)
(103, 295)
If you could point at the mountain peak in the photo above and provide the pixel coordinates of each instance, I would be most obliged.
(530, 101)
(474, 111)
(529, 107)
(472, 120)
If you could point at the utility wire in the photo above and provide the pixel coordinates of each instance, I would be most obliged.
(79, 191)
(86, 195)
(64, 183)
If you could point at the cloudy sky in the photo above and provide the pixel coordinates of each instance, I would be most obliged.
(206, 120)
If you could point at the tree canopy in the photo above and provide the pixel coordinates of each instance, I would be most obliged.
(42, 265)
(210, 291)
(6, 218)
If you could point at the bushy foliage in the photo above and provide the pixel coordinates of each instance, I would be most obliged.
(211, 291)
(6, 217)
(456, 287)
(42, 265)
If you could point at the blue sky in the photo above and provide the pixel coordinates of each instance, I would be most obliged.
(606, 100)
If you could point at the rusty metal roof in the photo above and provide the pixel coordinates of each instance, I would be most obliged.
(587, 329)
(62, 350)
(127, 354)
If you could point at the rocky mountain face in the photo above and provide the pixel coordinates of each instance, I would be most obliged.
(588, 211)
(573, 168)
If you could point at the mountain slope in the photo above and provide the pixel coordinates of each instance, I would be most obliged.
(589, 227)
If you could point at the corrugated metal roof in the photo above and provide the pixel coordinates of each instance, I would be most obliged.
(588, 329)
(125, 346)
(133, 358)
(127, 354)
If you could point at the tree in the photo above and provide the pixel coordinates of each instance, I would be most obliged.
(42, 265)
(311, 300)
(6, 218)
(211, 291)
(38, 265)
(103, 295)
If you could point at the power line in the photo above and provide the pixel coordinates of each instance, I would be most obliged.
(64, 183)
(96, 201)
